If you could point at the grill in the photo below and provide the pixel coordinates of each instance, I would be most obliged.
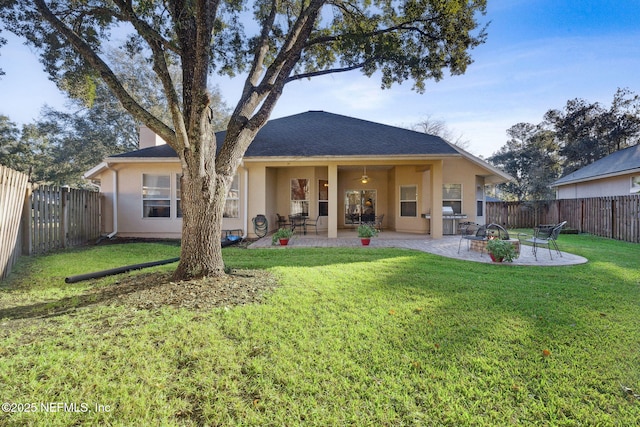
(449, 219)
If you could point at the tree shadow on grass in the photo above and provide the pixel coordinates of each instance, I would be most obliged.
(99, 295)
(155, 290)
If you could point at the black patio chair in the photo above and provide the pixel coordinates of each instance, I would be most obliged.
(314, 223)
(378, 222)
(282, 221)
(546, 235)
(468, 231)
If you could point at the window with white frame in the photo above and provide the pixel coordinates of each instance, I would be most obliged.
(178, 197)
(232, 204)
(635, 184)
(299, 197)
(156, 196)
(323, 197)
(452, 197)
(409, 200)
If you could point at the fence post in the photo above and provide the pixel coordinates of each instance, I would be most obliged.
(27, 230)
(64, 216)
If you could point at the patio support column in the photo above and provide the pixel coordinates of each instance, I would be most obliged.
(332, 224)
(257, 200)
(436, 200)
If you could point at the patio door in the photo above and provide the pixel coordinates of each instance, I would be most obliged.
(359, 206)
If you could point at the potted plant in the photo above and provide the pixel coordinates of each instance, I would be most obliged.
(366, 232)
(501, 250)
(282, 235)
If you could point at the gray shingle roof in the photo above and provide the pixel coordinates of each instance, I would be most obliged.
(615, 163)
(317, 134)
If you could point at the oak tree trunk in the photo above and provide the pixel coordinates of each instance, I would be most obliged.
(203, 196)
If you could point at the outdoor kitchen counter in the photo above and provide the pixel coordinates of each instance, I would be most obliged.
(449, 222)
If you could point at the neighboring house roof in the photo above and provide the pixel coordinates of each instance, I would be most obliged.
(619, 163)
(322, 134)
(493, 199)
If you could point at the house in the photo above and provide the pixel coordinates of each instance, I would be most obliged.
(618, 174)
(315, 164)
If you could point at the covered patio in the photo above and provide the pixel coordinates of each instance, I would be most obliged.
(446, 246)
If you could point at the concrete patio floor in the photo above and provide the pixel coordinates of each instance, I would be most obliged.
(447, 247)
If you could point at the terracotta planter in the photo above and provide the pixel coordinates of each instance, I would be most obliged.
(494, 259)
(284, 242)
(365, 241)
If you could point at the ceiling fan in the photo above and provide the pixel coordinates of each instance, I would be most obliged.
(365, 178)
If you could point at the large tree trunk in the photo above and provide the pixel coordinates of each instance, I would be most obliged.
(203, 194)
(203, 200)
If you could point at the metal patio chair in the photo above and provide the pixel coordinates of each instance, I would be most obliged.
(312, 223)
(546, 235)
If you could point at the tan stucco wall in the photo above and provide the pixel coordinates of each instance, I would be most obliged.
(130, 222)
(461, 171)
(407, 176)
(266, 186)
(614, 186)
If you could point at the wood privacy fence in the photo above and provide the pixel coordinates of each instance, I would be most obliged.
(615, 217)
(13, 186)
(60, 217)
(43, 218)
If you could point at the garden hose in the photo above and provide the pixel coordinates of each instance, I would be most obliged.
(260, 225)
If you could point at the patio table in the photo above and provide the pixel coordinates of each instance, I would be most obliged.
(298, 221)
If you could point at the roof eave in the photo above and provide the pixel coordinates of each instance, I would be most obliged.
(363, 158)
(595, 177)
(96, 170)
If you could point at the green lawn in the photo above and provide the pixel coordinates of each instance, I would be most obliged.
(357, 337)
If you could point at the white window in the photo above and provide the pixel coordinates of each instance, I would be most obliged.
(232, 204)
(452, 197)
(323, 197)
(409, 200)
(635, 184)
(299, 197)
(156, 196)
(178, 197)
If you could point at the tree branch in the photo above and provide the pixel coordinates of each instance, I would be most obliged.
(106, 73)
(325, 72)
(178, 140)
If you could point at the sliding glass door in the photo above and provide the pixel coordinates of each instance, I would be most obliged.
(359, 206)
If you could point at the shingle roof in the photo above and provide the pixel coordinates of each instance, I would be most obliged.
(318, 133)
(614, 164)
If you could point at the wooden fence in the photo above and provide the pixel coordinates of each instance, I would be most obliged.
(37, 219)
(57, 218)
(615, 217)
(13, 186)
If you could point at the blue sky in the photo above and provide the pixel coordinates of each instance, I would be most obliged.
(539, 54)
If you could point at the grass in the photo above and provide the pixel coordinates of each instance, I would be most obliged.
(351, 337)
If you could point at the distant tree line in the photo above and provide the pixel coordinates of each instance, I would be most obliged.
(566, 140)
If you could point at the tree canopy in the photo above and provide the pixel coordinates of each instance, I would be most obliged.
(286, 40)
(531, 157)
(588, 131)
(567, 140)
(61, 145)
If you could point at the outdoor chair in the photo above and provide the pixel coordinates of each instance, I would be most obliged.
(378, 222)
(282, 221)
(468, 231)
(314, 223)
(546, 235)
